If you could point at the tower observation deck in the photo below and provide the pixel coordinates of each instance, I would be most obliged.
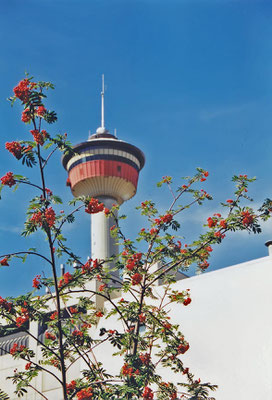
(107, 169)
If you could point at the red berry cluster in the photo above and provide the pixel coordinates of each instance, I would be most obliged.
(22, 90)
(36, 218)
(148, 394)
(166, 326)
(102, 287)
(208, 249)
(16, 348)
(48, 192)
(204, 265)
(90, 265)
(133, 261)
(49, 336)
(28, 365)
(55, 362)
(183, 297)
(24, 318)
(5, 304)
(4, 262)
(67, 277)
(8, 179)
(36, 282)
(219, 235)
(71, 386)
(129, 371)
(21, 320)
(145, 358)
(99, 314)
(85, 394)
(164, 219)
(26, 116)
(136, 279)
(223, 224)
(15, 148)
(41, 110)
(142, 317)
(85, 326)
(212, 222)
(38, 136)
(183, 347)
(77, 333)
(247, 218)
(54, 315)
(204, 176)
(187, 301)
(49, 216)
(94, 206)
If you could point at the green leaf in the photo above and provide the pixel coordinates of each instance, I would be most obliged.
(15, 187)
(21, 178)
(46, 85)
(56, 200)
(3, 395)
(28, 158)
(50, 117)
(48, 145)
(70, 219)
(12, 100)
(61, 237)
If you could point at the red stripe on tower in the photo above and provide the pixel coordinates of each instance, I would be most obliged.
(104, 168)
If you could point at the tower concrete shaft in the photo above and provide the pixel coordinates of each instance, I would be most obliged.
(103, 245)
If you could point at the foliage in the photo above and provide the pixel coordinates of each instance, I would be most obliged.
(144, 336)
(3, 395)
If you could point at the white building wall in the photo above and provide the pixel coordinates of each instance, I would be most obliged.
(229, 328)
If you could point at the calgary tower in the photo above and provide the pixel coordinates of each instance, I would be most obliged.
(107, 169)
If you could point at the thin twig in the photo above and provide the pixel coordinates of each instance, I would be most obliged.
(26, 252)
(48, 157)
(29, 183)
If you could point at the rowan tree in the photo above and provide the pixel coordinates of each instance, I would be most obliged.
(65, 306)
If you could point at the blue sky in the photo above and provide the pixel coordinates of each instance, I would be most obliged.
(189, 82)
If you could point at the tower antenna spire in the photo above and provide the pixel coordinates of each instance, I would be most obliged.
(102, 103)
